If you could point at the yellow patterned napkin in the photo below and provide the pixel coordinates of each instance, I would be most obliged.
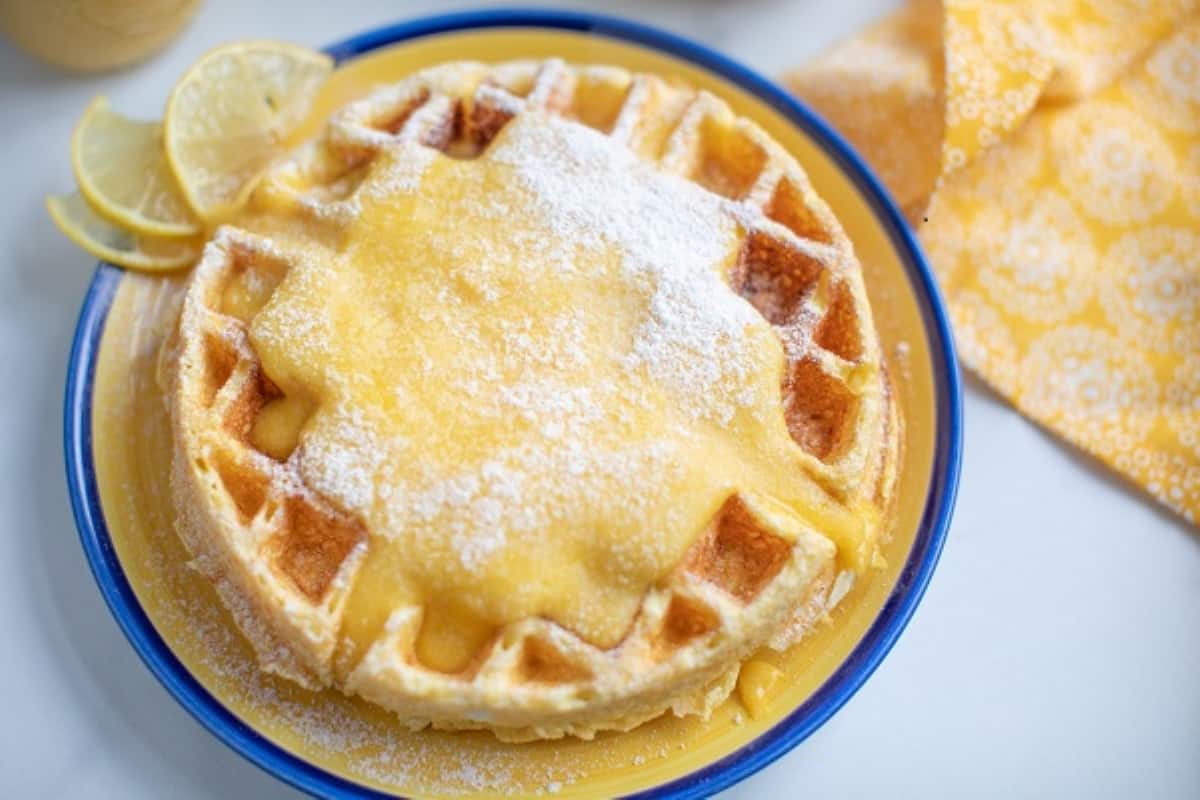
(1049, 154)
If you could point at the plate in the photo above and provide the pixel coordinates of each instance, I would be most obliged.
(117, 454)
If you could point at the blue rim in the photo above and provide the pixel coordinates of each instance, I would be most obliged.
(863, 660)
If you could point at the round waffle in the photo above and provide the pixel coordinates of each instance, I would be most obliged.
(286, 556)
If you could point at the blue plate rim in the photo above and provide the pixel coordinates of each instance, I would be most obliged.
(718, 775)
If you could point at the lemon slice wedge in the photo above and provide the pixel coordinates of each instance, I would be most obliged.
(122, 171)
(104, 240)
(227, 117)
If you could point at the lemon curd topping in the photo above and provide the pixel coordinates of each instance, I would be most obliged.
(527, 375)
(757, 679)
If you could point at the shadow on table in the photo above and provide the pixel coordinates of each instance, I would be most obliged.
(19, 68)
(1087, 462)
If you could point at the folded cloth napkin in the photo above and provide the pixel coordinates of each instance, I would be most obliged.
(1048, 152)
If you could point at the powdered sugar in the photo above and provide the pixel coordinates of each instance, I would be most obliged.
(401, 170)
(335, 471)
(669, 234)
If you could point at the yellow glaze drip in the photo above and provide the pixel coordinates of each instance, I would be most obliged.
(450, 636)
(277, 427)
(510, 391)
(756, 682)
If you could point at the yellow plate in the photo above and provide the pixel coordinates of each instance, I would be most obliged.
(118, 456)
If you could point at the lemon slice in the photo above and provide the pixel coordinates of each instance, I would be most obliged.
(122, 170)
(106, 241)
(229, 114)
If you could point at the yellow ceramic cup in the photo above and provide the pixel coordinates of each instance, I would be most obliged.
(93, 35)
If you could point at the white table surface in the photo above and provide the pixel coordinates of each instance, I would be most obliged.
(1056, 652)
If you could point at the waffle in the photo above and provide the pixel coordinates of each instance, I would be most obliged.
(286, 558)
